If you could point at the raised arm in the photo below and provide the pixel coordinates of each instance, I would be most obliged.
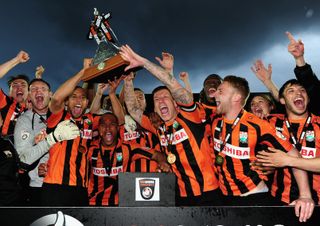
(166, 62)
(21, 57)
(116, 105)
(57, 101)
(184, 76)
(179, 93)
(304, 73)
(96, 102)
(264, 75)
(296, 49)
(130, 99)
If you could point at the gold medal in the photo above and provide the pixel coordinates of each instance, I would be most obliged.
(219, 160)
(171, 158)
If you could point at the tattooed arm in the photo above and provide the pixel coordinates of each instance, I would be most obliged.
(130, 99)
(179, 93)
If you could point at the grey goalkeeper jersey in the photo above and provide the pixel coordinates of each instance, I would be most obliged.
(28, 126)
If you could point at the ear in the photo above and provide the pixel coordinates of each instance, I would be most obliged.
(236, 97)
(175, 104)
(282, 101)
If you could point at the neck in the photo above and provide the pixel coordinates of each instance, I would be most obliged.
(42, 111)
(105, 145)
(297, 117)
(233, 113)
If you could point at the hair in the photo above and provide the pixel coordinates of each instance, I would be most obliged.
(20, 76)
(287, 84)
(39, 80)
(240, 84)
(106, 114)
(212, 76)
(265, 96)
(138, 89)
(158, 89)
(79, 87)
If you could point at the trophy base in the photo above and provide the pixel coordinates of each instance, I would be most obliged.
(107, 70)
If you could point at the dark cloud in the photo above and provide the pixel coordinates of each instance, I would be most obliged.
(203, 35)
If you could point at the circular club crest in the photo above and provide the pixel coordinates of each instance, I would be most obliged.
(147, 193)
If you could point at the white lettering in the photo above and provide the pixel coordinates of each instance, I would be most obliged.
(86, 134)
(232, 151)
(131, 136)
(177, 137)
(308, 153)
(101, 172)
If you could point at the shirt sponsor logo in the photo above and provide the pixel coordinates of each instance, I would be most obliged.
(131, 136)
(176, 138)
(308, 153)
(310, 135)
(101, 172)
(86, 134)
(232, 151)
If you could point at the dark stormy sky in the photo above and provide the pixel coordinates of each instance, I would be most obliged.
(205, 36)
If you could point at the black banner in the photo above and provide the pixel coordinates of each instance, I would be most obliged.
(213, 216)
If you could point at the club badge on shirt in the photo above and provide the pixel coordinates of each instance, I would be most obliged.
(25, 135)
(310, 135)
(243, 137)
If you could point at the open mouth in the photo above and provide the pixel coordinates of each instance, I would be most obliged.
(164, 110)
(211, 92)
(299, 102)
(19, 94)
(77, 110)
(109, 137)
(258, 110)
(39, 98)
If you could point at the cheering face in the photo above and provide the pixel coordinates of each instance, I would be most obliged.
(108, 129)
(19, 90)
(77, 103)
(210, 87)
(140, 99)
(223, 97)
(39, 95)
(296, 99)
(260, 106)
(164, 105)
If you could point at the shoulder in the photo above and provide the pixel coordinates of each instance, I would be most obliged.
(26, 116)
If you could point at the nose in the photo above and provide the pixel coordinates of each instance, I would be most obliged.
(215, 93)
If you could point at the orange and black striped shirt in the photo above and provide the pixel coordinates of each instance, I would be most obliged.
(10, 111)
(144, 139)
(105, 165)
(67, 164)
(284, 185)
(188, 141)
(249, 136)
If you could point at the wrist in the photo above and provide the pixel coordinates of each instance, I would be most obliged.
(300, 61)
(51, 139)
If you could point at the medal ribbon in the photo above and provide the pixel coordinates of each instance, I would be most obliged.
(107, 162)
(298, 143)
(229, 131)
